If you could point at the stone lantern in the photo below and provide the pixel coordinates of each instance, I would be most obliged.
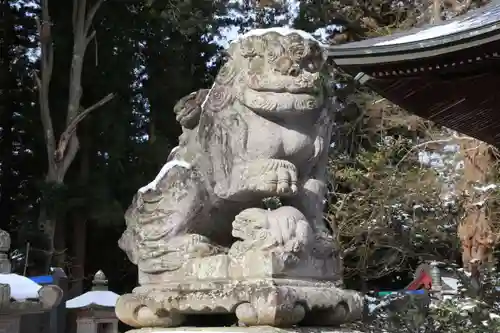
(19, 295)
(95, 309)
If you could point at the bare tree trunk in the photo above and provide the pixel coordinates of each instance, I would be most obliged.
(61, 155)
(79, 219)
(79, 248)
(475, 231)
(60, 255)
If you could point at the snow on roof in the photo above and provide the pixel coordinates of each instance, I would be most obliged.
(21, 287)
(104, 298)
(474, 19)
(283, 31)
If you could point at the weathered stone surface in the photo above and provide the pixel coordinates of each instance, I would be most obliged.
(5, 267)
(199, 233)
(260, 329)
(9, 325)
(273, 301)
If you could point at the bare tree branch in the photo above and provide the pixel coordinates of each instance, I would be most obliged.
(457, 7)
(436, 11)
(74, 145)
(80, 6)
(43, 81)
(79, 46)
(91, 15)
(69, 132)
(89, 38)
(74, 13)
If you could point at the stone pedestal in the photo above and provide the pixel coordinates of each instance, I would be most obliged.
(222, 285)
(99, 324)
(259, 329)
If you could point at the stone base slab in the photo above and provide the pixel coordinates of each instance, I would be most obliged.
(255, 329)
(251, 265)
(274, 302)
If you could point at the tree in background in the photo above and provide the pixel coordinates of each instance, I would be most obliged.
(61, 152)
(19, 137)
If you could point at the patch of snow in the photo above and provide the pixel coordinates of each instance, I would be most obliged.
(485, 188)
(323, 33)
(104, 298)
(451, 282)
(494, 316)
(451, 148)
(434, 159)
(468, 306)
(283, 31)
(446, 29)
(206, 97)
(464, 272)
(166, 168)
(21, 287)
(172, 152)
(448, 203)
(374, 307)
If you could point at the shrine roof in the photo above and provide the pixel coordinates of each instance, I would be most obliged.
(476, 24)
(98, 297)
(447, 73)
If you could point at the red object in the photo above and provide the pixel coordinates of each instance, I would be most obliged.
(422, 281)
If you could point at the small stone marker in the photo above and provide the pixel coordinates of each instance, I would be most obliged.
(96, 308)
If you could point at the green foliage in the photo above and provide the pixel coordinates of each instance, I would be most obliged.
(272, 203)
(387, 206)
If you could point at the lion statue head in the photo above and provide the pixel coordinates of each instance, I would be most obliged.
(271, 71)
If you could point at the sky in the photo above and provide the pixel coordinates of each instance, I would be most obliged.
(229, 34)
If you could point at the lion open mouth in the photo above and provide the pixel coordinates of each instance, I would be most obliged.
(305, 83)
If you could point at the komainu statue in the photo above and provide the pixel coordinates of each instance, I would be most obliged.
(201, 237)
